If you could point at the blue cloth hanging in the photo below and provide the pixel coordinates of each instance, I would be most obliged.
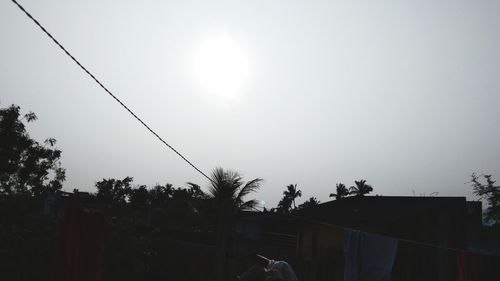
(368, 257)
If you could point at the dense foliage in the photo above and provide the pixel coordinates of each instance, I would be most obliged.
(27, 167)
(490, 192)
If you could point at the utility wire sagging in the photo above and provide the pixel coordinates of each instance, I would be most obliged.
(109, 92)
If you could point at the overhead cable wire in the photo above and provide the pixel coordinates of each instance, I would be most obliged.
(108, 91)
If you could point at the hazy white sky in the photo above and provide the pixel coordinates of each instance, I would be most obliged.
(404, 94)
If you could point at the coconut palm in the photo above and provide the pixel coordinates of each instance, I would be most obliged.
(292, 193)
(342, 191)
(284, 205)
(227, 192)
(361, 188)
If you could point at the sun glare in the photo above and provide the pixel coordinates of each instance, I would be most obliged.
(220, 66)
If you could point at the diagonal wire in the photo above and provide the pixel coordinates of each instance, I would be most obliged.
(109, 92)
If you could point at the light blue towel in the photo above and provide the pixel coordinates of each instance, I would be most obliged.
(351, 251)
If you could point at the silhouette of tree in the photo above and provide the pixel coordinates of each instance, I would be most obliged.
(195, 191)
(159, 195)
(228, 192)
(139, 197)
(361, 188)
(113, 192)
(489, 192)
(293, 193)
(177, 208)
(342, 191)
(26, 166)
(309, 203)
(289, 196)
(284, 205)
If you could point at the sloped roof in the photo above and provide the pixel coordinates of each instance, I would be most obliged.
(379, 208)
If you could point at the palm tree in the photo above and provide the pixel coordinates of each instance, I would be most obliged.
(292, 193)
(342, 191)
(361, 188)
(284, 205)
(227, 192)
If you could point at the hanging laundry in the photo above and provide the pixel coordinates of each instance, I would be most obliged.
(468, 266)
(351, 251)
(377, 257)
(80, 255)
(368, 257)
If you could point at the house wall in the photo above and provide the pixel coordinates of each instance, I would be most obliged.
(321, 255)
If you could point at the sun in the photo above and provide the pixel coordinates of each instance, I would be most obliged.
(221, 66)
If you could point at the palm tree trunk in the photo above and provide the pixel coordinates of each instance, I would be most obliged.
(220, 257)
(222, 237)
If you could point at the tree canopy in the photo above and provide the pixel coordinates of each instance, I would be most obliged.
(313, 201)
(26, 166)
(361, 188)
(289, 196)
(490, 192)
(341, 190)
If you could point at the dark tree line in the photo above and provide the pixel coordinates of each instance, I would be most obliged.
(287, 203)
(34, 169)
(360, 188)
(140, 215)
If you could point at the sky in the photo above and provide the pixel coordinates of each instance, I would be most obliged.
(403, 94)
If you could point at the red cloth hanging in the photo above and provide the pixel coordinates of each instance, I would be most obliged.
(83, 234)
(468, 266)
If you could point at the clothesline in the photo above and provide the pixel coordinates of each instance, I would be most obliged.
(399, 239)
